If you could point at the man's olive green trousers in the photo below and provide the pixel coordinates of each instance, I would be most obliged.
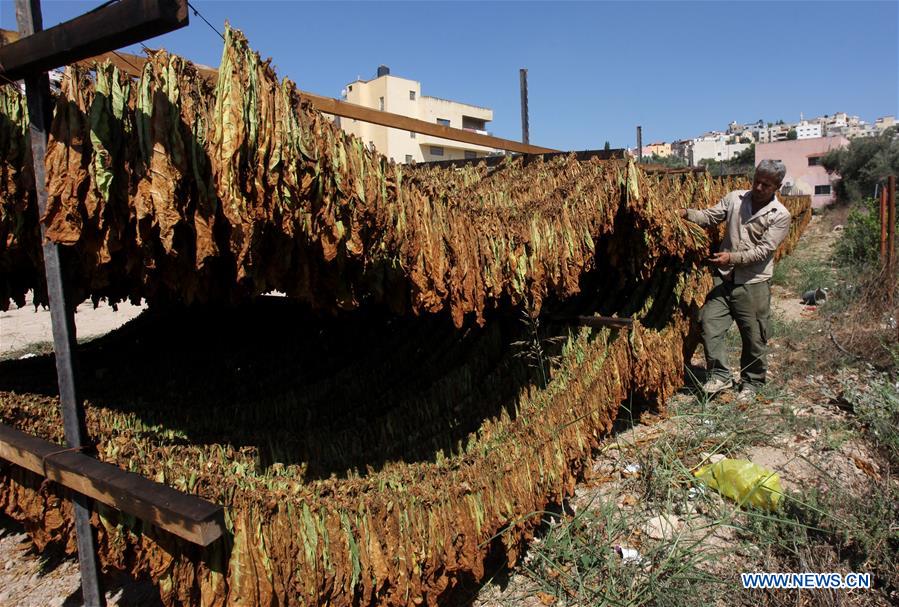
(750, 306)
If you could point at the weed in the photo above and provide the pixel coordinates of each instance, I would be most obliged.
(536, 348)
(876, 406)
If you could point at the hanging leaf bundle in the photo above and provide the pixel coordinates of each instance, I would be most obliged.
(171, 190)
(175, 190)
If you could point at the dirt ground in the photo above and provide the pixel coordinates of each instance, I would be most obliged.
(797, 429)
(27, 331)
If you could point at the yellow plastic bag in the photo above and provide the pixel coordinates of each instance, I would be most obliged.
(744, 482)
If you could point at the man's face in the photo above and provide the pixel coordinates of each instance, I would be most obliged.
(763, 188)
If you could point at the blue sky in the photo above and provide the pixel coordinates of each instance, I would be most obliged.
(595, 69)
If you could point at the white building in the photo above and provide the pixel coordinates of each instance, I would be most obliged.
(808, 130)
(403, 96)
(713, 148)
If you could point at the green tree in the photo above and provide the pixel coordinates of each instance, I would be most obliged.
(672, 161)
(741, 164)
(792, 135)
(745, 140)
(607, 146)
(746, 156)
(863, 163)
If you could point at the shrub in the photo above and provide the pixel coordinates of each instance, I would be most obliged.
(860, 243)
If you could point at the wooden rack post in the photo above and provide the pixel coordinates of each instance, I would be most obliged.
(36, 51)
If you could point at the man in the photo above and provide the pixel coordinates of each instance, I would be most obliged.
(756, 225)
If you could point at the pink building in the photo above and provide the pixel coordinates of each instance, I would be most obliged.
(802, 157)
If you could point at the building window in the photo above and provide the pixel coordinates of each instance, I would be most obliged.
(408, 158)
(822, 190)
(470, 155)
(443, 121)
(381, 103)
(411, 95)
(411, 134)
(350, 87)
(436, 151)
(814, 161)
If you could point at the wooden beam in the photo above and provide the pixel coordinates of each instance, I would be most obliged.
(366, 114)
(187, 516)
(492, 161)
(134, 64)
(111, 26)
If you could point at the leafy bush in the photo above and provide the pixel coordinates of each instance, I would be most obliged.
(860, 242)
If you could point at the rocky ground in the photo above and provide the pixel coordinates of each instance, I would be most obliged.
(640, 530)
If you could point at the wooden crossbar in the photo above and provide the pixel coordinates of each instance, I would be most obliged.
(134, 64)
(187, 516)
(119, 24)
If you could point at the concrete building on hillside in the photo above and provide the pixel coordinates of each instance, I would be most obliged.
(775, 132)
(808, 130)
(403, 96)
(802, 157)
(661, 149)
(681, 149)
(883, 123)
(713, 147)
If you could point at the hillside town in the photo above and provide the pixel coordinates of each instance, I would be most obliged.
(800, 146)
(727, 144)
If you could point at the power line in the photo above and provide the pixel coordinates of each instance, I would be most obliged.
(15, 84)
(200, 15)
(136, 69)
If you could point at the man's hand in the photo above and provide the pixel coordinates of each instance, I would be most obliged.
(721, 259)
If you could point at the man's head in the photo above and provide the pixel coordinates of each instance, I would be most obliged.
(769, 174)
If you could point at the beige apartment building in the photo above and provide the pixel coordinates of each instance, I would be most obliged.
(660, 148)
(403, 96)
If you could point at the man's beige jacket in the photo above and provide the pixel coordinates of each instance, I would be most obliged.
(751, 238)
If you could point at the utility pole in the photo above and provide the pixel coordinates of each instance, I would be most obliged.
(525, 131)
(639, 143)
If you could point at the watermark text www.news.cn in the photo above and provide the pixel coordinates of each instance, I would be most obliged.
(806, 580)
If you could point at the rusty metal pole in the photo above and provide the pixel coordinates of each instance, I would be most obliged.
(883, 226)
(525, 126)
(62, 315)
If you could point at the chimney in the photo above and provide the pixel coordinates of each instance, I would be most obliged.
(383, 70)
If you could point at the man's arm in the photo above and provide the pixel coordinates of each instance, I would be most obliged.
(774, 235)
(708, 217)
